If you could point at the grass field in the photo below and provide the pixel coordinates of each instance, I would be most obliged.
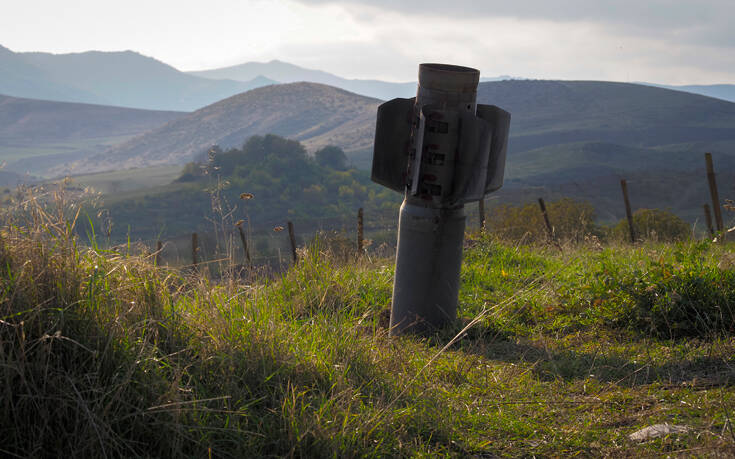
(557, 353)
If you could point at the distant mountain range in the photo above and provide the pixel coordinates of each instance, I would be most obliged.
(129, 79)
(288, 73)
(124, 79)
(565, 135)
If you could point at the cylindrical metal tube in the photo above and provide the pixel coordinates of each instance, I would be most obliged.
(448, 86)
(428, 262)
(431, 233)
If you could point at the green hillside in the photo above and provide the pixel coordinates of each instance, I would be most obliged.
(557, 353)
(287, 184)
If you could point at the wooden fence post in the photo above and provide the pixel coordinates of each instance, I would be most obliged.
(628, 213)
(292, 237)
(244, 244)
(360, 232)
(549, 228)
(713, 192)
(194, 249)
(708, 219)
(481, 208)
(157, 258)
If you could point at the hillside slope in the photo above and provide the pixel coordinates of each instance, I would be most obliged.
(579, 139)
(546, 114)
(312, 113)
(553, 112)
(32, 120)
(125, 79)
(36, 134)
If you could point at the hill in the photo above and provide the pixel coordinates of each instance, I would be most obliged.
(545, 114)
(21, 79)
(125, 79)
(579, 138)
(285, 72)
(312, 113)
(555, 112)
(35, 135)
(719, 91)
(286, 182)
(574, 138)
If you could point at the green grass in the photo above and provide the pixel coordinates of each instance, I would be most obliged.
(104, 354)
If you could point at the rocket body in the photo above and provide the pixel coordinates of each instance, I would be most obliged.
(441, 150)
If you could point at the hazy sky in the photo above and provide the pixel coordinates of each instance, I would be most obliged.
(665, 41)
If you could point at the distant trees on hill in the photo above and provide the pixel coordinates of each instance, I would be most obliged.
(285, 181)
(332, 157)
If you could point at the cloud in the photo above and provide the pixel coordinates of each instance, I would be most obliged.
(666, 41)
(645, 12)
(704, 21)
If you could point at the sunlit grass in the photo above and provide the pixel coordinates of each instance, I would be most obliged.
(104, 354)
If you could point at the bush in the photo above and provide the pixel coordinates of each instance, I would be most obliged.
(653, 224)
(331, 157)
(665, 295)
(693, 304)
(571, 221)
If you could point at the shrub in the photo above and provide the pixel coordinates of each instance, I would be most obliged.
(676, 295)
(332, 157)
(653, 224)
(571, 221)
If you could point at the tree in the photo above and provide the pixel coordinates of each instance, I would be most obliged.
(331, 157)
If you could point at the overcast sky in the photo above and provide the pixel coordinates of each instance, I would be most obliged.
(663, 41)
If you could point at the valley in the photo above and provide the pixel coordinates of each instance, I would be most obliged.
(572, 139)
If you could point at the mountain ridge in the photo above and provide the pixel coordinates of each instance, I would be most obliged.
(121, 78)
(285, 72)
